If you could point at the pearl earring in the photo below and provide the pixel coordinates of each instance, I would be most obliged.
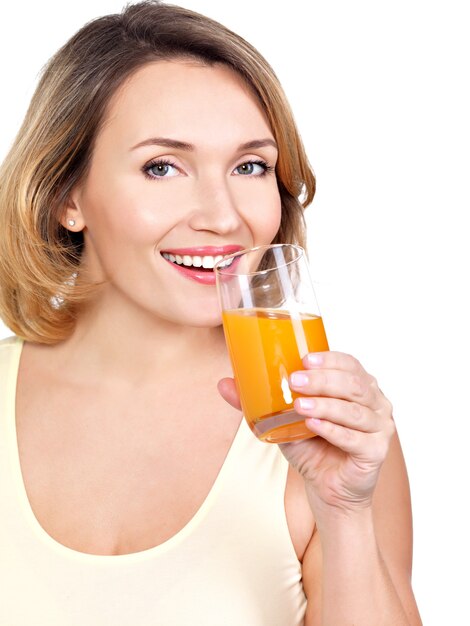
(71, 222)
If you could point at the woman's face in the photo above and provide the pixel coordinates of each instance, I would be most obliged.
(182, 172)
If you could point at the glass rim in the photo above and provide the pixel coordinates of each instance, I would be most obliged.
(226, 271)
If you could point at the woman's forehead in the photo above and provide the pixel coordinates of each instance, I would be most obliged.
(186, 99)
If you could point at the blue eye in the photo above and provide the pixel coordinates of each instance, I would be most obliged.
(160, 169)
(253, 168)
(163, 168)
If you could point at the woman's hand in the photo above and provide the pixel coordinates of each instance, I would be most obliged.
(344, 406)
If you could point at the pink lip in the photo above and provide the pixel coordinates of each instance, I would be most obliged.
(201, 277)
(204, 250)
(204, 278)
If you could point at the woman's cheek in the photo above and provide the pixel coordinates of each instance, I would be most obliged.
(272, 218)
(264, 211)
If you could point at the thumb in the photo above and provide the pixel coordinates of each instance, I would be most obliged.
(229, 393)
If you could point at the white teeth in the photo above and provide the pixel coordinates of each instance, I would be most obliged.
(227, 263)
(207, 262)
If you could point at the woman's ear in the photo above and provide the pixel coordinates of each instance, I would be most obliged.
(72, 217)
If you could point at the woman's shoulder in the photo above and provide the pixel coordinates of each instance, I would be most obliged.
(8, 341)
(9, 344)
(9, 349)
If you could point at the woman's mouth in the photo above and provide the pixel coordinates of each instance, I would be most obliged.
(206, 262)
(198, 263)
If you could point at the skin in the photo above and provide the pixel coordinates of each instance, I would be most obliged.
(342, 487)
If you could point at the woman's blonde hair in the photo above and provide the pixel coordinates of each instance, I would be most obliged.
(40, 293)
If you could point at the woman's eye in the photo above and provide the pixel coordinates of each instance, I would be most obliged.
(160, 169)
(257, 168)
(166, 169)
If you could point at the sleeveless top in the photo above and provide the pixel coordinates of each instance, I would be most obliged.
(233, 564)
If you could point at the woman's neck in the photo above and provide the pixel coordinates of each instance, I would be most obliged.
(129, 343)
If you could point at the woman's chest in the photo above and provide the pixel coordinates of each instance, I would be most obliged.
(115, 476)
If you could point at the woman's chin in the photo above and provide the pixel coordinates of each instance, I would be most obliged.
(205, 320)
(197, 315)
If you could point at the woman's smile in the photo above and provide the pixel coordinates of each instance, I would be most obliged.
(198, 263)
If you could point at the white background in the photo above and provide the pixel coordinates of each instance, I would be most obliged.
(380, 94)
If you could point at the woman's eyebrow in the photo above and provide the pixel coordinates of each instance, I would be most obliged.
(182, 145)
(258, 143)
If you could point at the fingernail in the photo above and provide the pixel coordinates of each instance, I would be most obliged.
(298, 379)
(314, 422)
(314, 359)
(306, 404)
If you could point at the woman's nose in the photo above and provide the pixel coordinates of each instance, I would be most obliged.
(215, 208)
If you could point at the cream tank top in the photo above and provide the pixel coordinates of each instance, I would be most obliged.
(233, 564)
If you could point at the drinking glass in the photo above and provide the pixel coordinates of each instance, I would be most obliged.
(271, 321)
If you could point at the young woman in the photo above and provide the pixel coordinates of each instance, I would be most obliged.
(132, 491)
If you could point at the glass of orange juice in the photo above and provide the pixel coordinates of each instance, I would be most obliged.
(271, 321)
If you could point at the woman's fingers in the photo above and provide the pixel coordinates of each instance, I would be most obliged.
(333, 360)
(347, 425)
(368, 447)
(334, 383)
(337, 390)
(350, 414)
(337, 375)
(229, 393)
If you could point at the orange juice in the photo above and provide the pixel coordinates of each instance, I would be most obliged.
(266, 346)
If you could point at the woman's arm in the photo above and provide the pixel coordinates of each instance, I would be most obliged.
(359, 570)
(357, 567)
(356, 484)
